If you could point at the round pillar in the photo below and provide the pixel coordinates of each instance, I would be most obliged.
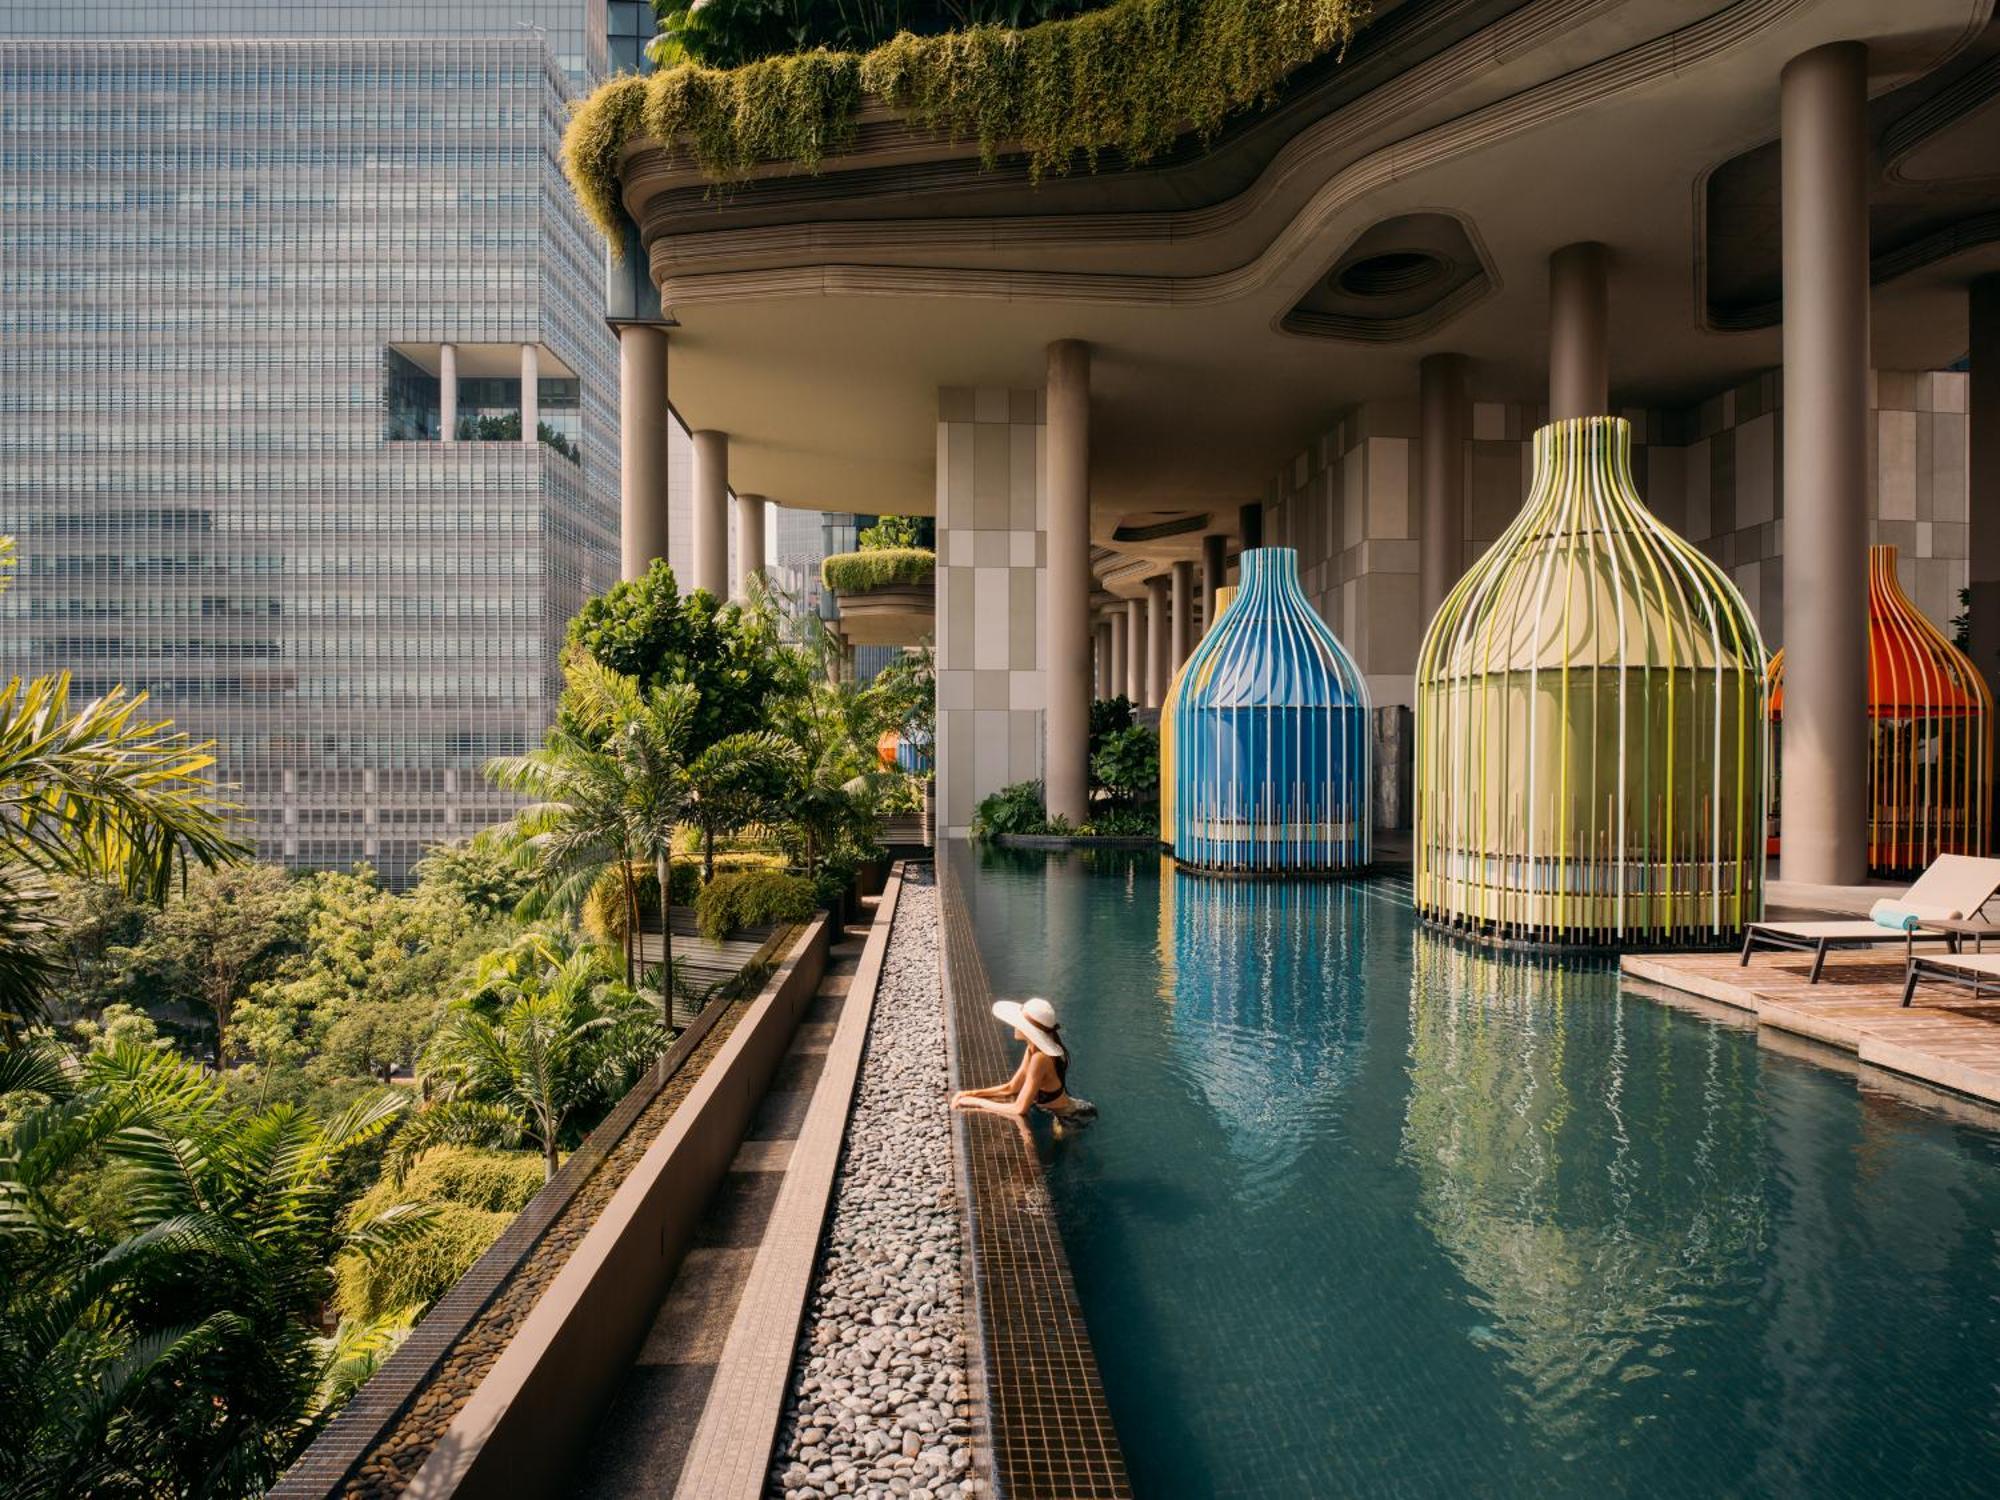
(1135, 650)
(1066, 721)
(1183, 622)
(531, 394)
(1442, 412)
(644, 427)
(1214, 565)
(1102, 637)
(750, 512)
(1824, 154)
(1579, 333)
(1158, 671)
(711, 512)
(1119, 683)
(448, 393)
(1983, 477)
(1250, 524)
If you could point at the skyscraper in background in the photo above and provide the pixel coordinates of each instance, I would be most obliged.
(307, 405)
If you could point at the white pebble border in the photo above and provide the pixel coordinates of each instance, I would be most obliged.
(879, 1403)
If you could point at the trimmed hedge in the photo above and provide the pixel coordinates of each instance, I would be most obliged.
(878, 568)
(1130, 78)
(753, 899)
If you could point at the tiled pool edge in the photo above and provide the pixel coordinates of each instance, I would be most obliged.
(1046, 1430)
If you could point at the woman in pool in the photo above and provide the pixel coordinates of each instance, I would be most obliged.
(1042, 1080)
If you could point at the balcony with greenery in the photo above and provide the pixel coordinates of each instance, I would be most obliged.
(746, 84)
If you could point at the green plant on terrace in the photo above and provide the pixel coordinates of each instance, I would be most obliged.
(890, 532)
(1130, 78)
(858, 572)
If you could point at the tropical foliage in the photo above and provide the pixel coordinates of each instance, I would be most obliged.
(163, 1337)
(546, 1037)
(238, 1103)
(1129, 78)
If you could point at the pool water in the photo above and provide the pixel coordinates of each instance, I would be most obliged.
(1371, 1212)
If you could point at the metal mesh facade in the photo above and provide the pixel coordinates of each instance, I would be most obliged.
(206, 247)
(1591, 748)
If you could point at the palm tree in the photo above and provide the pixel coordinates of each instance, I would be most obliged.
(97, 790)
(735, 783)
(163, 1260)
(652, 740)
(541, 1039)
(577, 827)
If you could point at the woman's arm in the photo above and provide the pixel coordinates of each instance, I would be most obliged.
(996, 1091)
(1024, 1098)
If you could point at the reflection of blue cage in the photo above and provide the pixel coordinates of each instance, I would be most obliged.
(1271, 754)
(913, 750)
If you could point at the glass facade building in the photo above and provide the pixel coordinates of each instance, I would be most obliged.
(234, 240)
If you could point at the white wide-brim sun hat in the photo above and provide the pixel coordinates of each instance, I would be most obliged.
(1034, 1019)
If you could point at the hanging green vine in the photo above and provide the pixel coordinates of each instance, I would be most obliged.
(1129, 78)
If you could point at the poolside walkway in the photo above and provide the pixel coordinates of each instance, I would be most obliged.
(1946, 1038)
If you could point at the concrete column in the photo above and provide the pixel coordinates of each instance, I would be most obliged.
(1983, 476)
(1101, 636)
(1066, 721)
(644, 426)
(1135, 651)
(750, 511)
(448, 393)
(1119, 684)
(1158, 668)
(711, 513)
(1250, 524)
(1579, 333)
(1183, 576)
(1214, 566)
(1442, 431)
(531, 393)
(1823, 819)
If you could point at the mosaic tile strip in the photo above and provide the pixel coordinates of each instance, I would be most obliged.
(1049, 1427)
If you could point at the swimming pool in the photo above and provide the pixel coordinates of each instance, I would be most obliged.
(1372, 1212)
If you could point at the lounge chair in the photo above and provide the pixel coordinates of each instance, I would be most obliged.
(1968, 970)
(1954, 888)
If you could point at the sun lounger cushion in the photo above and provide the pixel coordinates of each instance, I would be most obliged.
(1967, 963)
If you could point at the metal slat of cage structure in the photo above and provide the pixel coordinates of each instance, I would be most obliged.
(1591, 753)
(1267, 751)
(1930, 741)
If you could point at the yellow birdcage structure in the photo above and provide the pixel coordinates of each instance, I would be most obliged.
(1591, 746)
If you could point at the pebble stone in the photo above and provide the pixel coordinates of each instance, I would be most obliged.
(878, 1403)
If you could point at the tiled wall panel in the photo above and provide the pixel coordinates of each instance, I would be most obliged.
(992, 559)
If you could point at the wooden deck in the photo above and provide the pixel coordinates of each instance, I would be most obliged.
(1945, 1038)
(706, 964)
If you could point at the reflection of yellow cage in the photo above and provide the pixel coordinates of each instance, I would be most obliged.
(1930, 740)
(1590, 748)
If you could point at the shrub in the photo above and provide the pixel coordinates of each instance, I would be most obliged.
(1108, 716)
(891, 533)
(1130, 78)
(1019, 808)
(604, 907)
(1128, 764)
(1123, 823)
(858, 572)
(473, 1196)
(753, 899)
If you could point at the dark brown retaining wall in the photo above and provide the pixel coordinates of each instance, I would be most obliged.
(519, 1433)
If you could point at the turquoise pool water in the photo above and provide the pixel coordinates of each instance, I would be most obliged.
(1371, 1213)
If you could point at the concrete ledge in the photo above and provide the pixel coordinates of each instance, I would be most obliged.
(520, 1431)
(730, 1457)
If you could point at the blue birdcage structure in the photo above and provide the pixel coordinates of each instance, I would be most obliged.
(1270, 759)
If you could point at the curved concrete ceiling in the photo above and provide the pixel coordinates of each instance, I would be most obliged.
(819, 342)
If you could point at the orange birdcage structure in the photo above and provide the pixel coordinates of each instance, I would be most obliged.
(1930, 741)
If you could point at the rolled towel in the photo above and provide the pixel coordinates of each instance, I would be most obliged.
(1908, 916)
